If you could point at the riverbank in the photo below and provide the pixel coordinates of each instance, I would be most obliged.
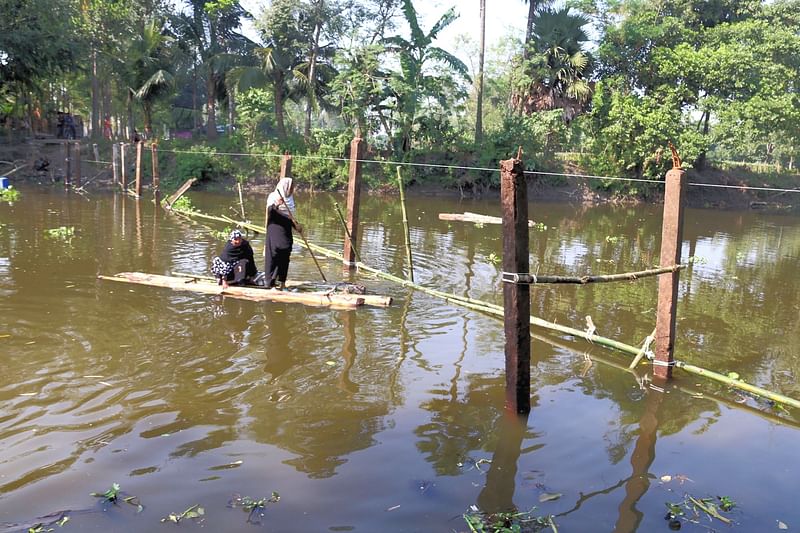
(730, 188)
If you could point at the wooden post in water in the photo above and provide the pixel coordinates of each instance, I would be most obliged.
(353, 201)
(156, 176)
(516, 296)
(671, 240)
(77, 165)
(138, 189)
(67, 164)
(115, 162)
(123, 148)
(286, 165)
(96, 152)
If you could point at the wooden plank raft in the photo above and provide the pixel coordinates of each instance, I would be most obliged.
(476, 218)
(256, 294)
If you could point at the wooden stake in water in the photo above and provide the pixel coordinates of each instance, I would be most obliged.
(406, 232)
(156, 176)
(138, 188)
(77, 166)
(353, 200)
(115, 162)
(123, 148)
(516, 296)
(241, 200)
(671, 241)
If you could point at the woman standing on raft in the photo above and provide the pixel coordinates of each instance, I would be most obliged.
(280, 206)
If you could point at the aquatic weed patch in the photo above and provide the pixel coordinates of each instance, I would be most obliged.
(693, 510)
(114, 495)
(508, 522)
(256, 509)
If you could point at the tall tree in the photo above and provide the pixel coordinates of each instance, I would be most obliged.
(415, 81)
(479, 110)
(212, 29)
(555, 75)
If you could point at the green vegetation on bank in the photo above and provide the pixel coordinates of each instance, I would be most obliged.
(610, 82)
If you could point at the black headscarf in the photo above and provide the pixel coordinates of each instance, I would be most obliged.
(232, 254)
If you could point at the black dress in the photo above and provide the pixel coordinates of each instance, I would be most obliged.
(278, 247)
(235, 263)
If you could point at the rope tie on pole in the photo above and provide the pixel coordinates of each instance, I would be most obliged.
(518, 278)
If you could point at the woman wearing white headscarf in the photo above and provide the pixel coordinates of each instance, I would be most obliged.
(278, 249)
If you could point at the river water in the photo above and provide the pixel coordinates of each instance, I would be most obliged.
(388, 419)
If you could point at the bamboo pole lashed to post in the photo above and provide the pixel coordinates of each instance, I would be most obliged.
(516, 297)
(406, 231)
(582, 280)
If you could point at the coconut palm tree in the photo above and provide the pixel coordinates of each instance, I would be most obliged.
(555, 74)
(147, 71)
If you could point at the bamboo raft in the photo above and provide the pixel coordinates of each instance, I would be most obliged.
(206, 285)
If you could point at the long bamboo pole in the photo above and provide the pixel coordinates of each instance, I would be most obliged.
(346, 231)
(582, 280)
(496, 310)
(406, 232)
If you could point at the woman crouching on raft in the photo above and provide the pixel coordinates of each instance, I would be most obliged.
(236, 263)
(280, 206)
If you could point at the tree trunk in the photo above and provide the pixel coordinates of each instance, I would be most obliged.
(194, 97)
(701, 159)
(479, 106)
(211, 106)
(231, 110)
(312, 72)
(278, 97)
(147, 114)
(131, 127)
(532, 4)
(96, 128)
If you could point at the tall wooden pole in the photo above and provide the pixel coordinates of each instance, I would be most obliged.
(671, 240)
(115, 162)
(138, 189)
(156, 176)
(77, 164)
(516, 297)
(353, 201)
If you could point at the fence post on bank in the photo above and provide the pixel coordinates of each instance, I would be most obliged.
(353, 201)
(671, 241)
(123, 148)
(115, 162)
(516, 296)
(156, 176)
(67, 164)
(77, 165)
(138, 188)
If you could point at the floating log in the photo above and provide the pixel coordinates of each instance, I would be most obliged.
(200, 285)
(476, 218)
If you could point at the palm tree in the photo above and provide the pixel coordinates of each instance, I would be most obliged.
(210, 30)
(413, 82)
(555, 75)
(146, 69)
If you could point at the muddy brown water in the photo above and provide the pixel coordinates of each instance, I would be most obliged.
(388, 419)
